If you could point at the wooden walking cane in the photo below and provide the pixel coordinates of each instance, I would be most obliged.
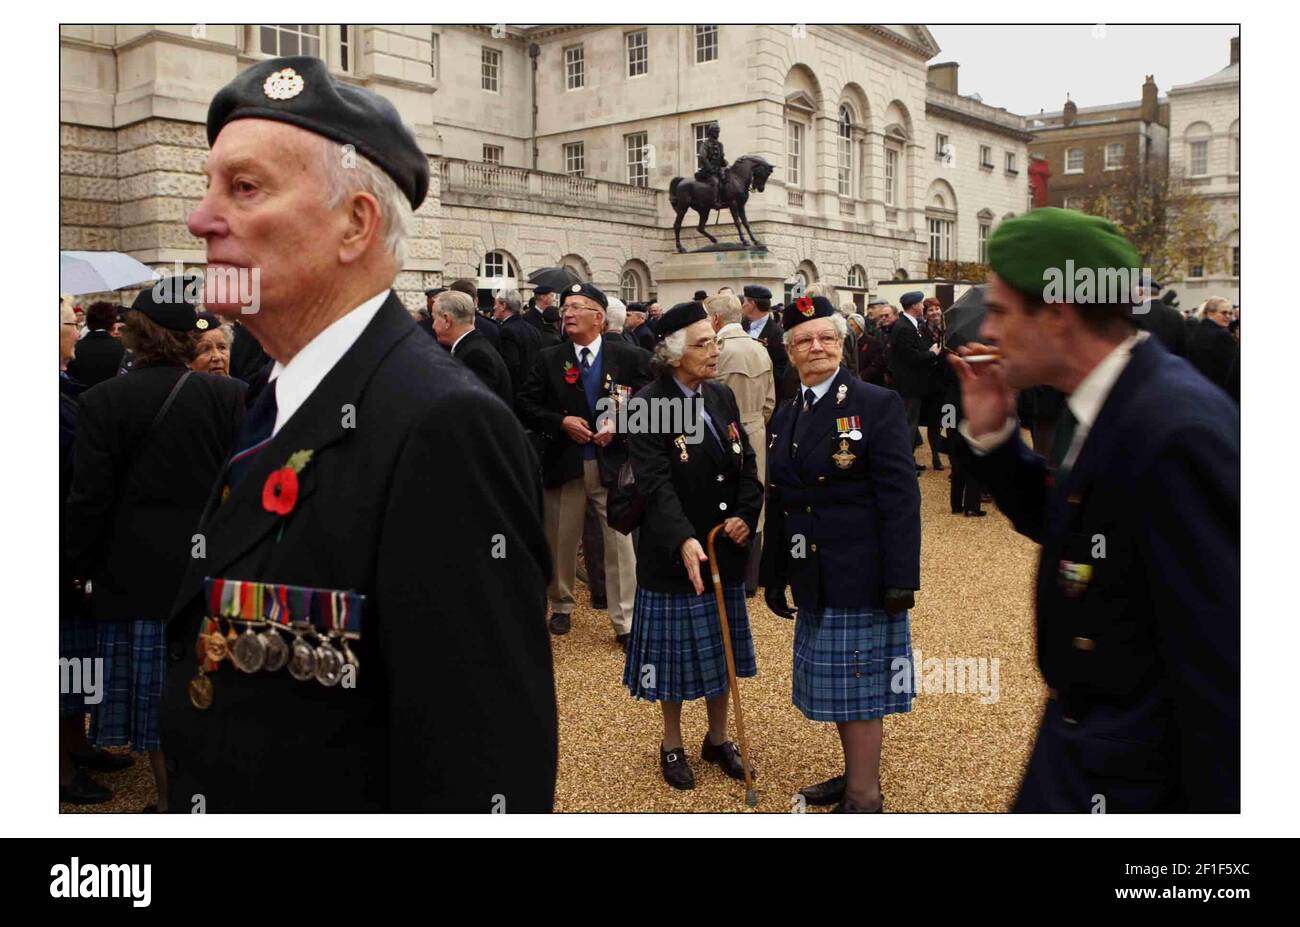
(751, 794)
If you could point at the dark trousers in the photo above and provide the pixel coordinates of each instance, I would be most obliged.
(753, 564)
(964, 496)
(913, 409)
(593, 553)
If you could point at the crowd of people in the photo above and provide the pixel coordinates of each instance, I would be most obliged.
(331, 482)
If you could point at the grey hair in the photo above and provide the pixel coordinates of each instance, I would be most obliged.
(724, 306)
(363, 175)
(837, 320)
(455, 304)
(615, 314)
(668, 353)
(511, 299)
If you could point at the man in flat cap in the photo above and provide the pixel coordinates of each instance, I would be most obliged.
(374, 547)
(561, 399)
(911, 359)
(1138, 515)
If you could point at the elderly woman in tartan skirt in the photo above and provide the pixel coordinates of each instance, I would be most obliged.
(844, 517)
(691, 483)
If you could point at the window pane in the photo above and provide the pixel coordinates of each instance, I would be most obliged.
(267, 43)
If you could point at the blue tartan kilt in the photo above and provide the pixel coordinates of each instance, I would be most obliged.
(675, 653)
(842, 663)
(135, 656)
(77, 641)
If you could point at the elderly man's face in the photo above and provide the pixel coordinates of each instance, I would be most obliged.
(545, 301)
(264, 208)
(213, 355)
(583, 319)
(68, 329)
(816, 349)
(654, 310)
(634, 320)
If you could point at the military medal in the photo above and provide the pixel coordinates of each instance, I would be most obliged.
(734, 434)
(249, 651)
(680, 441)
(201, 691)
(302, 659)
(277, 651)
(844, 457)
(848, 427)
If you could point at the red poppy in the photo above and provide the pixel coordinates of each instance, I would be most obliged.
(280, 491)
(805, 305)
(571, 375)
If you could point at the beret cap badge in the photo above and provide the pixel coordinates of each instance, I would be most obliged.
(284, 84)
(201, 324)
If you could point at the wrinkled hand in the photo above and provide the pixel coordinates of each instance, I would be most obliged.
(898, 600)
(775, 599)
(986, 399)
(604, 434)
(934, 348)
(576, 429)
(692, 556)
(736, 529)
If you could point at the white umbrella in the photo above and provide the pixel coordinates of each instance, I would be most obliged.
(100, 271)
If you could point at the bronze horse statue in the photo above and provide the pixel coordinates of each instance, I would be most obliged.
(746, 173)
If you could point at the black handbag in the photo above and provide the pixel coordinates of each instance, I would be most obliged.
(624, 505)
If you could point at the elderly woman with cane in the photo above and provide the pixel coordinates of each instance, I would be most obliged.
(692, 481)
(844, 532)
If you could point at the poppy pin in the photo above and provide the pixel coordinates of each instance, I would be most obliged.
(571, 373)
(280, 491)
(805, 305)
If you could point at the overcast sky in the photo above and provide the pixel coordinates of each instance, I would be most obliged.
(1031, 68)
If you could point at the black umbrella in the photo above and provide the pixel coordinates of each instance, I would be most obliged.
(557, 278)
(965, 317)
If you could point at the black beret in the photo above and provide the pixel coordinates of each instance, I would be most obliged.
(636, 307)
(700, 295)
(754, 291)
(678, 317)
(165, 302)
(589, 290)
(806, 308)
(911, 297)
(302, 92)
(543, 290)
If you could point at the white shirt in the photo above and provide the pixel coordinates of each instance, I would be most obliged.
(820, 390)
(298, 379)
(755, 328)
(594, 347)
(1085, 403)
(916, 323)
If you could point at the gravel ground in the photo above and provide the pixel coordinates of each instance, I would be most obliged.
(951, 753)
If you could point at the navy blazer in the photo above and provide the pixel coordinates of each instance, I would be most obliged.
(854, 502)
(1138, 596)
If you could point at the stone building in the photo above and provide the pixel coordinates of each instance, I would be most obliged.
(557, 144)
(1205, 143)
(1084, 146)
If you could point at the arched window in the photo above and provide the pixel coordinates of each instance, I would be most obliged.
(845, 151)
(629, 288)
(857, 277)
(1197, 140)
(498, 264)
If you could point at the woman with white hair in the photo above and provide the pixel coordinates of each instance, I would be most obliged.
(692, 479)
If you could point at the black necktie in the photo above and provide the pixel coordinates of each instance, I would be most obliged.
(809, 397)
(805, 417)
(254, 434)
(586, 358)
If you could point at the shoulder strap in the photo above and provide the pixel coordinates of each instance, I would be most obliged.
(167, 403)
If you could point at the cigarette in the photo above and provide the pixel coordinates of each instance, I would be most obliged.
(982, 358)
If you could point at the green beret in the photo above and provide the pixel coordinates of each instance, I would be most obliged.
(1047, 253)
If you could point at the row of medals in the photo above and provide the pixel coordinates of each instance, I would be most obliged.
(252, 652)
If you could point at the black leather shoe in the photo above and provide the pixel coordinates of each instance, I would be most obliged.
(937, 464)
(846, 806)
(979, 514)
(624, 640)
(83, 790)
(920, 468)
(677, 772)
(599, 605)
(102, 761)
(824, 793)
(559, 624)
(727, 757)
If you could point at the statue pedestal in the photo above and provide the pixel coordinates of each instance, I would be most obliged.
(680, 275)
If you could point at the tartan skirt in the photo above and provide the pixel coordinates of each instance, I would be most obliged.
(135, 657)
(77, 637)
(842, 663)
(675, 653)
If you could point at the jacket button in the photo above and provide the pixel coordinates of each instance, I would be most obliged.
(720, 477)
(1084, 643)
(808, 509)
(821, 479)
(814, 548)
(722, 506)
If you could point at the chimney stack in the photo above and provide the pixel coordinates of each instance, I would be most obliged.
(1234, 50)
(1150, 99)
(1070, 111)
(943, 76)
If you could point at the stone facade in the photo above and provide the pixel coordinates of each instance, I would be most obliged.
(133, 101)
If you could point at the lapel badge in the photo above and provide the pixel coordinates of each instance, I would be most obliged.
(734, 434)
(680, 441)
(1074, 578)
(841, 394)
(284, 84)
(1076, 498)
(844, 457)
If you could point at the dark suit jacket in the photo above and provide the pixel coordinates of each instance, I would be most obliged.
(910, 361)
(248, 361)
(477, 353)
(1166, 323)
(546, 399)
(70, 605)
(520, 343)
(1212, 351)
(488, 328)
(455, 700)
(96, 358)
(137, 496)
(644, 337)
(1145, 655)
(772, 337)
(688, 498)
(860, 519)
(549, 336)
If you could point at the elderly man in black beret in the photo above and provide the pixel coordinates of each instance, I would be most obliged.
(374, 560)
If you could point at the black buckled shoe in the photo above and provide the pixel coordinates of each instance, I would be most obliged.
(102, 761)
(83, 790)
(624, 640)
(559, 624)
(847, 806)
(824, 793)
(727, 757)
(677, 772)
